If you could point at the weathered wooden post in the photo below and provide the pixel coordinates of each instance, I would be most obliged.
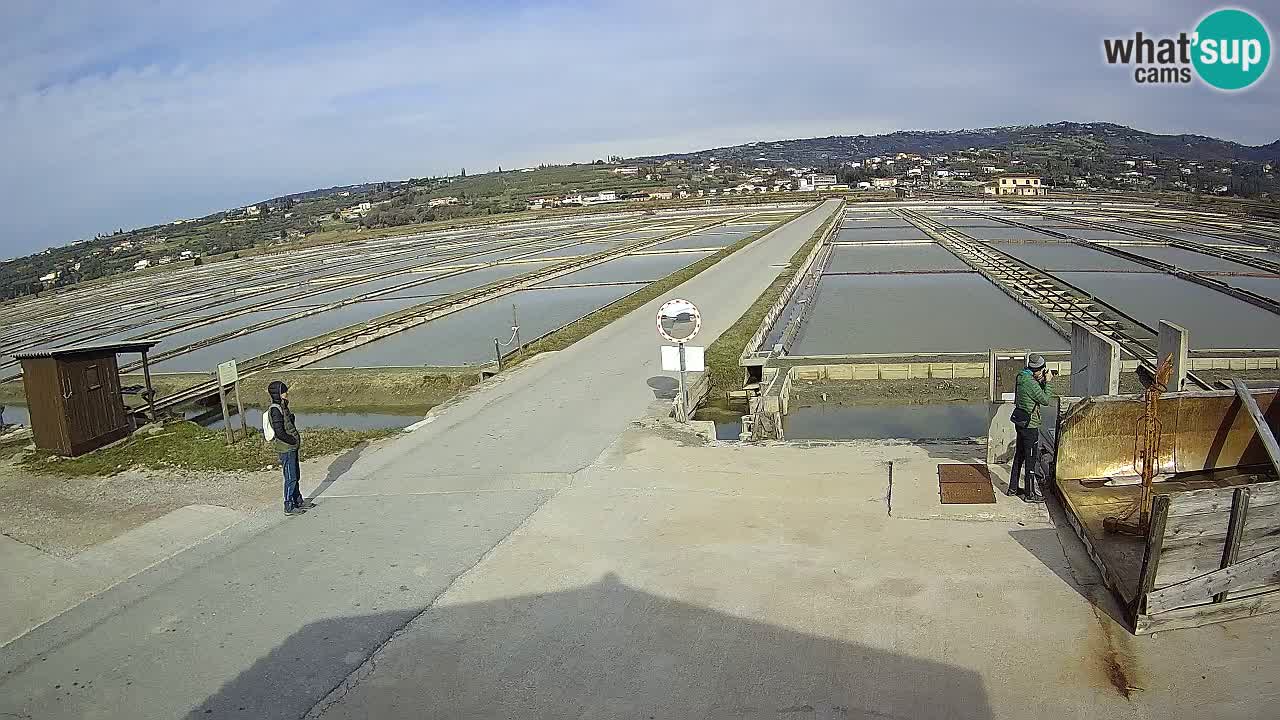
(226, 420)
(149, 394)
(227, 374)
(244, 422)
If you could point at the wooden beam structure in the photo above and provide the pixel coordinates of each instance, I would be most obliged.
(1256, 568)
(1259, 422)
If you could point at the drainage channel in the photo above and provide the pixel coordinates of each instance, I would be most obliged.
(374, 294)
(386, 260)
(1051, 298)
(1248, 296)
(1213, 251)
(1203, 222)
(317, 349)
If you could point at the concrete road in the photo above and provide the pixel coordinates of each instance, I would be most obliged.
(679, 581)
(268, 618)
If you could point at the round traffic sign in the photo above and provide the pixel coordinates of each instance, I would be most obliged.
(679, 320)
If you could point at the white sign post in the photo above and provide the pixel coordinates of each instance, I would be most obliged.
(679, 321)
(229, 374)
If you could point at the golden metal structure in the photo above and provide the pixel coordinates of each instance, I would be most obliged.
(1146, 456)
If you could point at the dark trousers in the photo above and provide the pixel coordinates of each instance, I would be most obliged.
(1025, 456)
(292, 473)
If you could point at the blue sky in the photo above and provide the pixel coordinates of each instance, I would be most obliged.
(127, 113)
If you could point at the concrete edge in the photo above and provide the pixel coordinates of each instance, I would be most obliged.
(124, 576)
(482, 386)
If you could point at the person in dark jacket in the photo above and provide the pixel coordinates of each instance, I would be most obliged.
(1031, 390)
(286, 442)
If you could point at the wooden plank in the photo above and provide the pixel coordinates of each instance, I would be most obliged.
(1196, 590)
(1108, 552)
(44, 403)
(1155, 541)
(1249, 589)
(1259, 422)
(1218, 500)
(1231, 546)
(1186, 563)
(1208, 614)
(1187, 528)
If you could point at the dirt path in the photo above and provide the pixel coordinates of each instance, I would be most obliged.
(66, 515)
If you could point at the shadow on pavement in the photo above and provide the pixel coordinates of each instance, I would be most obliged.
(1062, 552)
(962, 450)
(664, 388)
(338, 468)
(603, 650)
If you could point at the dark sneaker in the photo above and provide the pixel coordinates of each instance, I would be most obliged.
(1013, 492)
(305, 505)
(295, 511)
(1033, 499)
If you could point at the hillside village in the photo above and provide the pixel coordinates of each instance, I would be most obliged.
(1043, 159)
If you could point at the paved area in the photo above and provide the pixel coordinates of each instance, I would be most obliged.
(672, 580)
(543, 547)
(220, 624)
(49, 584)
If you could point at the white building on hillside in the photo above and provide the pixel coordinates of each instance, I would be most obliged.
(816, 181)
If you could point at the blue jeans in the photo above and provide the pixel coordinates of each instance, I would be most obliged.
(292, 473)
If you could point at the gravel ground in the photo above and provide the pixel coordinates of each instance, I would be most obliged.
(64, 516)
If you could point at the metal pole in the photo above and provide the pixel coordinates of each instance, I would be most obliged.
(149, 394)
(684, 394)
(244, 424)
(226, 419)
(515, 326)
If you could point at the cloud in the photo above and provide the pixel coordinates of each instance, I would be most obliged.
(142, 112)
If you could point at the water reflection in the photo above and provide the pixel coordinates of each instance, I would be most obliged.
(884, 422)
(344, 420)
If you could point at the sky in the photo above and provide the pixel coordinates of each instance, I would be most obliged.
(128, 113)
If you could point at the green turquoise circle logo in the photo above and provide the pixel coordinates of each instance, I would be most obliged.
(1232, 49)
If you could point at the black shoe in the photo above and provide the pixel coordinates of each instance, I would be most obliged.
(305, 505)
(1013, 491)
(1037, 498)
(295, 511)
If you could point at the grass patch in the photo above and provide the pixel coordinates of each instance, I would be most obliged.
(187, 446)
(10, 448)
(363, 389)
(575, 331)
(337, 389)
(724, 354)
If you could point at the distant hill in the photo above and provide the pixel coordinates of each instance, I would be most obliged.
(1088, 137)
(1068, 155)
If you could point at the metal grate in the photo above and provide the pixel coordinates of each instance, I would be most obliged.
(965, 485)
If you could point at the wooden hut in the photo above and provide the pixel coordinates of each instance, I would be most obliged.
(73, 395)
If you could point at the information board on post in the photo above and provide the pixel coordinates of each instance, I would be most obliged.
(228, 373)
(694, 358)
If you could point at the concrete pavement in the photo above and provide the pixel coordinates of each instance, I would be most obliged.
(672, 580)
(51, 584)
(541, 548)
(230, 626)
(541, 424)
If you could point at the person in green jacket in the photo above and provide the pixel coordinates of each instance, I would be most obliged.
(1031, 390)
